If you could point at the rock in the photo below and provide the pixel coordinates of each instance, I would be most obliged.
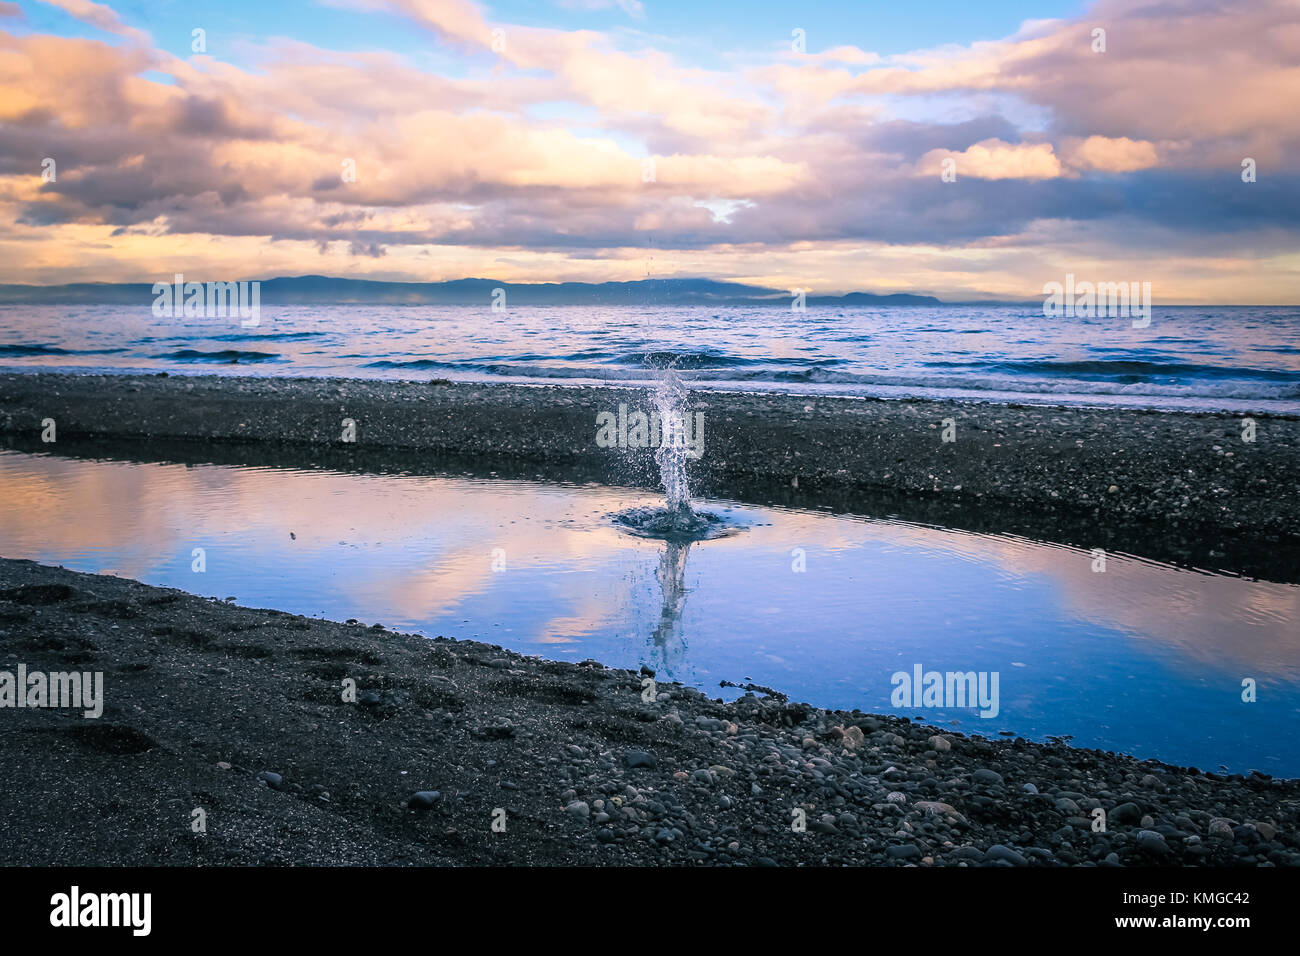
(1152, 842)
(634, 759)
(272, 780)
(1147, 822)
(578, 809)
(896, 797)
(938, 808)
(1029, 788)
(702, 776)
(1125, 814)
(223, 765)
(1221, 828)
(423, 799)
(853, 738)
(497, 730)
(986, 776)
(999, 852)
(1266, 830)
(941, 744)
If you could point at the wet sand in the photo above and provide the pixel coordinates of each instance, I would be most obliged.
(241, 713)
(1183, 488)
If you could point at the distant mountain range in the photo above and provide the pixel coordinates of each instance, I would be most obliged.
(323, 290)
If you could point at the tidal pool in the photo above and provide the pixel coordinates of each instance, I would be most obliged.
(1142, 658)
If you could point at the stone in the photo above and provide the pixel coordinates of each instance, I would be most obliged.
(423, 799)
(634, 759)
(999, 852)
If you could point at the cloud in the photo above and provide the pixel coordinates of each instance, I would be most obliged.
(1120, 155)
(994, 159)
(534, 153)
(101, 16)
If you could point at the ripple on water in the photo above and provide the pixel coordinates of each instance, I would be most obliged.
(676, 524)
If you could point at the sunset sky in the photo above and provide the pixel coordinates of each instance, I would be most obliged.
(510, 140)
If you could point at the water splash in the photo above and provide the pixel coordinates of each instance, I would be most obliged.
(677, 520)
(670, 400)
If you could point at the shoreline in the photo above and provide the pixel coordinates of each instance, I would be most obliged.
(1179, 487)
(239, 712)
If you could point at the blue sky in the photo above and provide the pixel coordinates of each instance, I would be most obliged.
(700, 33)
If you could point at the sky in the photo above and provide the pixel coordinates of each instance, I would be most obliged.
(965, 150)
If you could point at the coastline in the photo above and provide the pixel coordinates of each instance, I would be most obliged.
(204, 699)
(1180, 487)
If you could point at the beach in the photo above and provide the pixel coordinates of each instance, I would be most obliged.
(242, 713)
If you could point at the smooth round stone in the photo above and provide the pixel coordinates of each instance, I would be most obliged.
(424, 799)
(999, 852)
(639, 758)
(1152, 841)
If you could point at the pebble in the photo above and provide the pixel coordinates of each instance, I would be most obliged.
(639, 758)
(999, 852)
(1221, 828)
(1152, 841)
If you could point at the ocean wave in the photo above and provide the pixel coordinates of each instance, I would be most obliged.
(232, 337)
(698, 361)
(224, 356)
(40, 348)
(1133, 369)
(921, 380)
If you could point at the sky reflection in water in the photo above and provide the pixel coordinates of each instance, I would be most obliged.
(1144, 658)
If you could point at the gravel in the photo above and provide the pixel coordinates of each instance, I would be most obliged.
(192, 720)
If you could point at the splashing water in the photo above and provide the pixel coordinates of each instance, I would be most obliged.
(670, 400)
(677, 520)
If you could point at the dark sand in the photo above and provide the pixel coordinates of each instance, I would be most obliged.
(203, 697)
(1177, 487)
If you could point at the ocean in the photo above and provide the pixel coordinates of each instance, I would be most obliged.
(1232, 358)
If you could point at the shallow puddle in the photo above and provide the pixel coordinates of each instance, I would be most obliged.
(1141, 657)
